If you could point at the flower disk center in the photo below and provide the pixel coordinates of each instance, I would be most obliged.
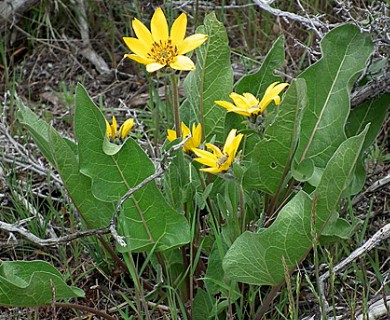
(222, 160)
(163, 52)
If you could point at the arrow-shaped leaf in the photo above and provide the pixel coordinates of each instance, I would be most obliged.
(147, 219)
(345, 52)
(62, 154)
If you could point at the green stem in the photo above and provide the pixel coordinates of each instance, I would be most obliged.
(154, 107)
(242, 213)
(175, 93)
(139, 293)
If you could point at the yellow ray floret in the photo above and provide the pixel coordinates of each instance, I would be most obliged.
(112, 130)
(193, 142)
(159, 48)
(248, 105)
(219, 160)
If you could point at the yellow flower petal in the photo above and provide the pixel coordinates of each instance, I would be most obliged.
(191, 143)
(219, 161)
(277, 100)
(232, 108)
(138, 59)
(227, 105)
(154, 66)
(218, 153)
(178, 30)
(126, 127)
(108, 129)
(213, 170)
(240, 101)
(272, 94)
(182, 63)
(159, 26)
(171, 135)
(229, 139)
(141, 31)
(231, 149)
(196, 135)
(251, 99)
(185, 130)
(205, 157)
(137, 46)
(192, 42)
(114, 127)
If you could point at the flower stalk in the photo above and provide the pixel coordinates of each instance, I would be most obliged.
(175, 95)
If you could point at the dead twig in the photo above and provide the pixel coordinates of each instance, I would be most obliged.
(17, 228)
(87, 51)
(377, 308)
(10, 10)
(311, 22)
(375, 186)
(372, 90)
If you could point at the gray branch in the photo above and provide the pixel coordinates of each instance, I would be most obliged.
(87, 51)
(11, 9)
(375, 186)
(372, 90)
(311, 22)
(17, 228)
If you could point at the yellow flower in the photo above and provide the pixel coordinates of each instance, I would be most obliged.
(248, 105)
(219, 160)
(193, 142)
(112, 130)
(158, 48)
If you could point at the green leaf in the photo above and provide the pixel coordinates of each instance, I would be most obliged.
(29, 283)
(336, 178)
(258, 82)
(375, 113)
(203, 305)
(146, 220)
(214, 273)
(176, 179)
(212, 80)
(256, 258)
(38, 129)
(62, 154)
(345, 52)
(95, 213)
(338, 228)
(303, 171)
(272, 155)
